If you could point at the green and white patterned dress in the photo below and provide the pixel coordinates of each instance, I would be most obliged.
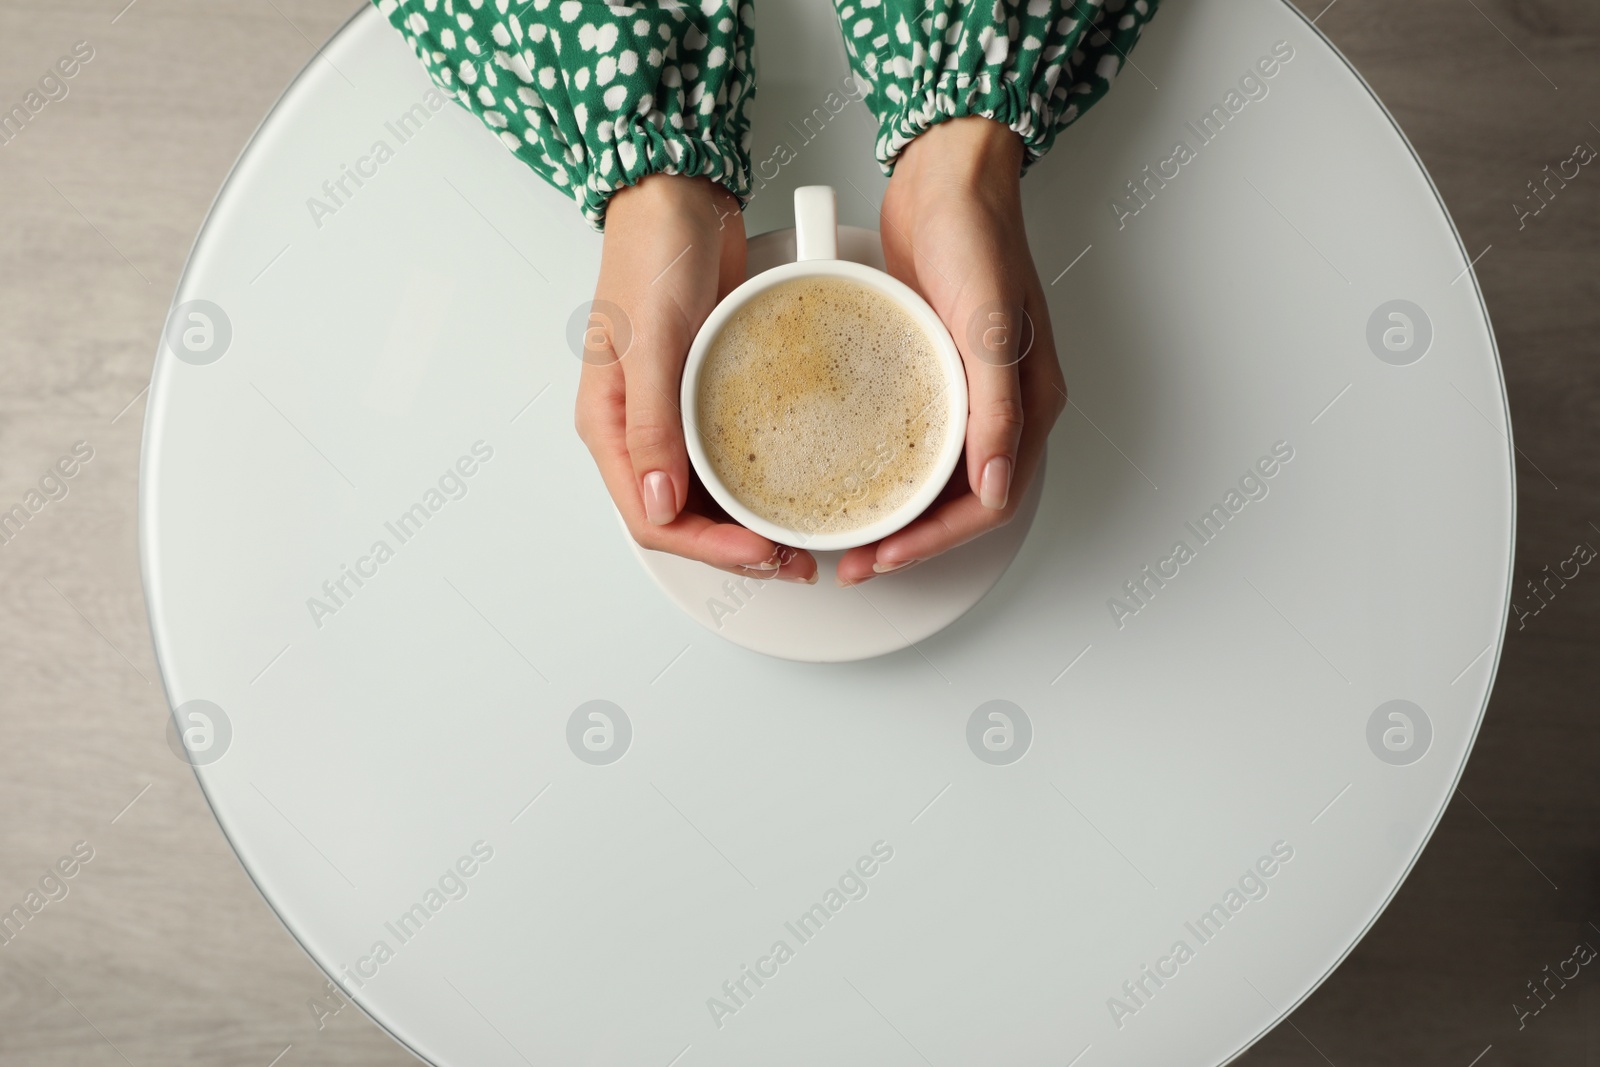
(594, 96)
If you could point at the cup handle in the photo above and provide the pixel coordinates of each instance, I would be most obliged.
(816, 223)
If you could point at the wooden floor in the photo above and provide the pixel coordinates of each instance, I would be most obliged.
(162, 952)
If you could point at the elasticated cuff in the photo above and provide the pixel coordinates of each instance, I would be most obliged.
(595, 96)
(1034, 65)
(634, 147)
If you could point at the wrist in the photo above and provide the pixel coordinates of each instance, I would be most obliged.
(664, 199)
(968, 153)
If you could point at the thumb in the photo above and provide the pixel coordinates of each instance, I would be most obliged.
(654, 425)
(997, 337)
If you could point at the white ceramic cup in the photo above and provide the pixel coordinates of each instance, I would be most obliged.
(816, 220)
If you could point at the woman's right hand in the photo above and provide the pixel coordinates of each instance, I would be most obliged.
(674, 246)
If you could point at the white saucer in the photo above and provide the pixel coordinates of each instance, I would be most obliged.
(824, 623)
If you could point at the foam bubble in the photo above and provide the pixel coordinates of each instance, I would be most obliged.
(822, 405)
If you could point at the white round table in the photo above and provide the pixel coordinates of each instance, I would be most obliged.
(1130, 809)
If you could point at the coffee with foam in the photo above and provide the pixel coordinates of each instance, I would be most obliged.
(821, 405)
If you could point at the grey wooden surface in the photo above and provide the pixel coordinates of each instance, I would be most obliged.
(162, 953)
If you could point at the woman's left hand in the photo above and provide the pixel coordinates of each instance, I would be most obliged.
(952, 229)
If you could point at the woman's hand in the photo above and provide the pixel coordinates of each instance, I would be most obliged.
(674, 246)
(952, 229)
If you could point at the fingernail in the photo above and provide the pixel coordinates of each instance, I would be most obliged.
(846, 583)
(996, 485)
(769, 564)
(887, 568)
(799, 580)
(660, 503)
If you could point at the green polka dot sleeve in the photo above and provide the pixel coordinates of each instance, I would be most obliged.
(595, 96)
(1035, 65)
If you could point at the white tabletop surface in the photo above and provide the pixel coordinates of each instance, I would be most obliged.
(1135, 773)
